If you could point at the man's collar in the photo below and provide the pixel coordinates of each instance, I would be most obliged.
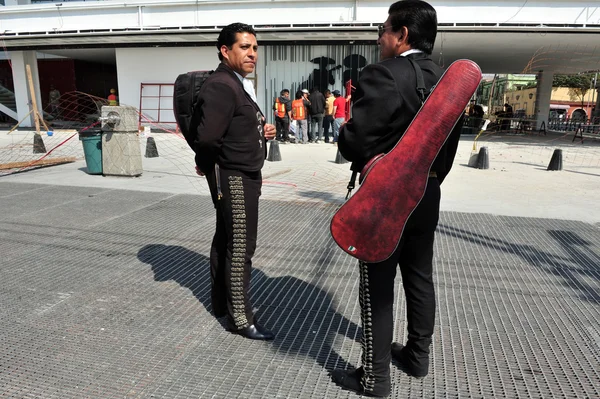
(224, 66)
(240, 77)
(409, 52)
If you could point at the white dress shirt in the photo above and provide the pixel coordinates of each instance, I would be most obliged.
(248, 86)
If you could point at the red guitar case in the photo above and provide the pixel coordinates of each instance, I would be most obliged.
(364, 227)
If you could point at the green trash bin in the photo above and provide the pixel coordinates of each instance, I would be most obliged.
(92, 149)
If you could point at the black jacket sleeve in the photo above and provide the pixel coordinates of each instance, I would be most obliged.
(377, 103)
(216, 108)
(445, 159)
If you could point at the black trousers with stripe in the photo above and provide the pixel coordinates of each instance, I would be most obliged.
(414, 255)
(234, 243)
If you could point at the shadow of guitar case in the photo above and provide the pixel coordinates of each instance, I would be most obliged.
(364, 227)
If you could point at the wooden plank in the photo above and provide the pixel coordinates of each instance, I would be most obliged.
(43, 162)
(33, 99)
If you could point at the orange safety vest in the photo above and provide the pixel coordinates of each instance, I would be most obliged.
(279, 108)
(298, 110)
(112, 99)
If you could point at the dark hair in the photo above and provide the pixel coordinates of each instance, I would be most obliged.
(227, 37)
(282, 92)
(327, 91)
(420, 19)
(299, 94)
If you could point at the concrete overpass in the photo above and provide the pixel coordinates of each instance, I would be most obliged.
(510, 36)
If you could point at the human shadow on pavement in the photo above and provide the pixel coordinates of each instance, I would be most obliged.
(574, 267)
(325, 196)
(301, 314)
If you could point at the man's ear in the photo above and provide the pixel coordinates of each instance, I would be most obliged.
(225, 51)
(403, 37)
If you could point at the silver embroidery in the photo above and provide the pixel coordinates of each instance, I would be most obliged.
(236, 278)
(368, 379)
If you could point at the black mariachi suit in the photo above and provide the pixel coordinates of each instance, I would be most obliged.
(231, 149)
(385, 104)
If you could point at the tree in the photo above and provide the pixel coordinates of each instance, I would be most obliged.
(578, 84)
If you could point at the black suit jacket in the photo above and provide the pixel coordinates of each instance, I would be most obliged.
(230, 132)
(385, 104)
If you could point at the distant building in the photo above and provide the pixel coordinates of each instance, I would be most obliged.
(501, 84)
(563, 103)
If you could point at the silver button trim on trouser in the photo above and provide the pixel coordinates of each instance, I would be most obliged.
(236, 279)
(368, 379)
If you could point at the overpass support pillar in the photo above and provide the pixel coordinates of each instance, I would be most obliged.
(19, 61)
(542, 97)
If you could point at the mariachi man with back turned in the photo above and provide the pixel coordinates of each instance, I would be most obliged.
(385, 104)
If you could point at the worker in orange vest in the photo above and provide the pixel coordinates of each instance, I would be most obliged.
(299, 107)
(112, 98)
(283, 115)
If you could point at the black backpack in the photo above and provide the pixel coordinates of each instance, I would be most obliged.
(185, 98)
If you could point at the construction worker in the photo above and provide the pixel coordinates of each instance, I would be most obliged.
(112, 98)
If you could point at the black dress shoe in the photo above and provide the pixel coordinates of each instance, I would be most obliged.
(409, 363)
(219, 313)
(254, 331)
(350, 380)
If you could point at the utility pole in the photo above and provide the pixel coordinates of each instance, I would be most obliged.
(491, 94)
(596, 93)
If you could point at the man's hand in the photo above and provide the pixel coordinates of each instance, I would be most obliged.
(270, 131)
(199, 172)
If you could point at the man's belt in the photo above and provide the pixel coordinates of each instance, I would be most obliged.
(432, 174)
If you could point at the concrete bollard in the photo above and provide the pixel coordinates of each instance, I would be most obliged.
(556, 162)
(151, 150)
(480, 160)
(274, 153)
(339, 157)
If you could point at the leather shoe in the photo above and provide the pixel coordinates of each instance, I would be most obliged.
(254, 331)
(409, 363)
(350, 380)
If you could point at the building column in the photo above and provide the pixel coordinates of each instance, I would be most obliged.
(542, 97)
(19, 60)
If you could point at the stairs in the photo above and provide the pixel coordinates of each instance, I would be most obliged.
(8, 104)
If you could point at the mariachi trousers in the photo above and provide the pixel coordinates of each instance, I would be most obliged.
(414, 255)
(236, 201)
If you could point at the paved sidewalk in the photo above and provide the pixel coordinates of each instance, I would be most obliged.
(106, 292)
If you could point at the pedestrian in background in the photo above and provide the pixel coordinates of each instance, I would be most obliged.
(328, 117)
(283, 113)
(299, 115)
(339, 114)
(317, 110)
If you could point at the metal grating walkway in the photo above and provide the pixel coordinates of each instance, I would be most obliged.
(106, 294)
